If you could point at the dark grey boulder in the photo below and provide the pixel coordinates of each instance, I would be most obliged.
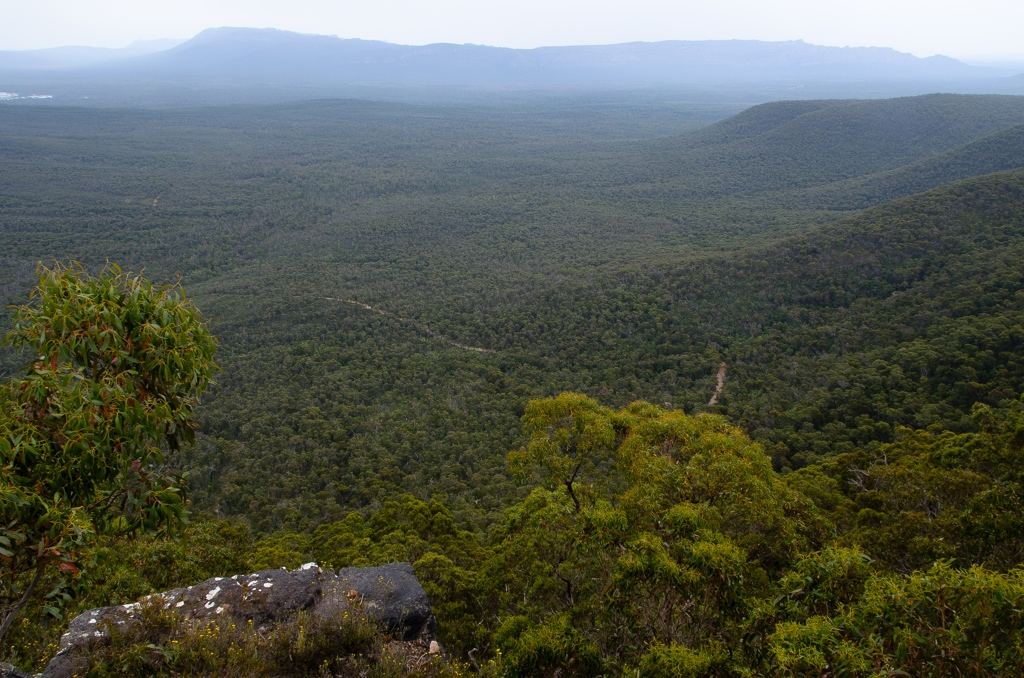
(390, 593)
(393, 593)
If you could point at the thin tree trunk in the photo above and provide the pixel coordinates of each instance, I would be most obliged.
(13, 613)
(568, 486)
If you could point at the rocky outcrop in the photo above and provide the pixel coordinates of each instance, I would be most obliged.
(391, 593)
(8, 671)
(394, 596)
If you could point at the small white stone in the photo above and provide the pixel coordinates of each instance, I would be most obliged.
(217, 578)
(209, 605)
(268, 584)
(219, 610)
(213, 594)
(92, 621)
(181, 603)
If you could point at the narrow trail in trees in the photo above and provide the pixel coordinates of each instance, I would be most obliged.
(152, 209)
(432, 333)
(721, 384)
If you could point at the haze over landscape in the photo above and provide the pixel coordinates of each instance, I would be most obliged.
(989, 29)
(659, 340)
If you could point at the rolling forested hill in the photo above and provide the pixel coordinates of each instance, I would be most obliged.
(834, 155)
(391, 284)
(996, 152)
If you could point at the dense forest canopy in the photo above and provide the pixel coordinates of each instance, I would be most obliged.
(585, 249)
(816, 305)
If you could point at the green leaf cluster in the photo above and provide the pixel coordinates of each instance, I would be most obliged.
(116, 372)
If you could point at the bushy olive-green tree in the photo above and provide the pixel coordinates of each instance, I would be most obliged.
(658, 535)
(117, 369)
(569, 433)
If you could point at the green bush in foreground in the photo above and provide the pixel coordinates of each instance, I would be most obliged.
(116, 372)
(939, 622)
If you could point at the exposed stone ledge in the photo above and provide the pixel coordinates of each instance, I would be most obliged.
(391, 593)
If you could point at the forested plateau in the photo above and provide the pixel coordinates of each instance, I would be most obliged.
(831, 292)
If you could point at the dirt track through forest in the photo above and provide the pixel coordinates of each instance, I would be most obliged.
(721, 385)
(426, 329)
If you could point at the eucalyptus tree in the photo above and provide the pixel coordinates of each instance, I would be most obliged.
(117, 368)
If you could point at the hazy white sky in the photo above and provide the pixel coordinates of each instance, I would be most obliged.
(979, 29)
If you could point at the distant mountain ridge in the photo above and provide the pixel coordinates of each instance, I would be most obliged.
(76, 56)
(271, 55)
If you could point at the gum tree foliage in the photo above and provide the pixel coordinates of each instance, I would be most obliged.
(688, 556)
(117, 369)
(936, 622)
(659, 533)
(931, 495)
(568, 434)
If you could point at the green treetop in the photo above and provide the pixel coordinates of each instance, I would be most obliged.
(118, 366)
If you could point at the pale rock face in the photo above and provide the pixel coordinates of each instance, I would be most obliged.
(390, 592)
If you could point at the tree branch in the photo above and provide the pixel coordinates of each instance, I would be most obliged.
(16, 608)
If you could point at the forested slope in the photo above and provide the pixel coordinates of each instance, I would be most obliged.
(539, 235)
(997, 152)
(904, 316)
(784, 146)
